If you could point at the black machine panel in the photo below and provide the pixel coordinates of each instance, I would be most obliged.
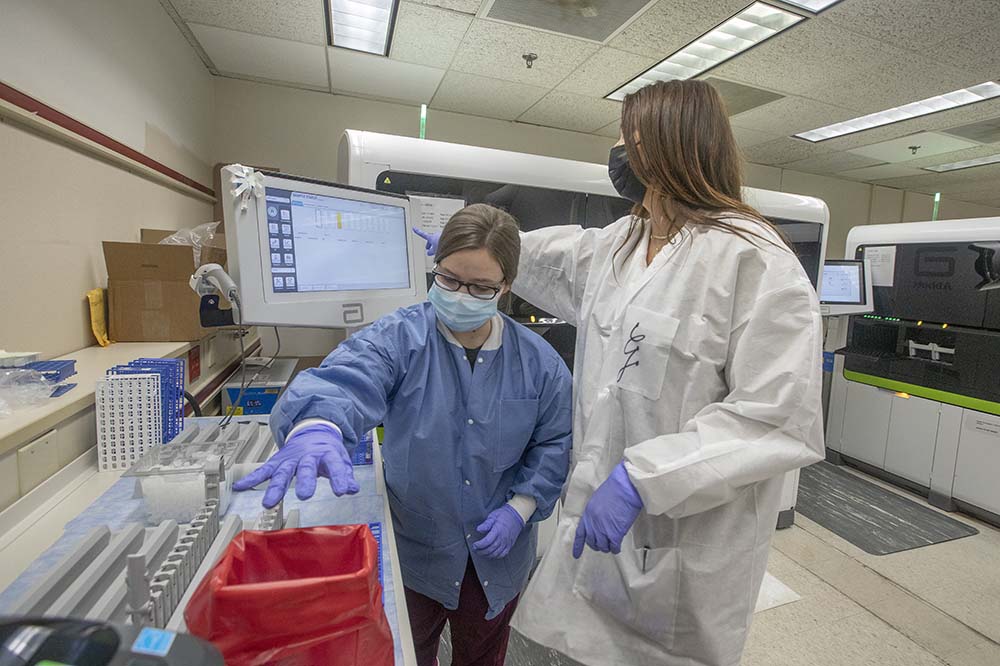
(954, 359)
(936, 326)
(807, 241)
(533, 207)
(992, 320)
(536, 207)
(953, 283)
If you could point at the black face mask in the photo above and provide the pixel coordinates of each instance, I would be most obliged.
(622, 176)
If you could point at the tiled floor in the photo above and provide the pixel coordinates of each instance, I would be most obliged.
(934, 606)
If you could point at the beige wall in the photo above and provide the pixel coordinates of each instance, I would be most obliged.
(852, 203)
(123, 68)
(299, 131)
(119, 66)
(58, 205)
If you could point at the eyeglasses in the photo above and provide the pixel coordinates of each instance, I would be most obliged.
(483, 292)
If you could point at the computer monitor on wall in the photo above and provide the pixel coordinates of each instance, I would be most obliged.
(846, 288)
(306, 252)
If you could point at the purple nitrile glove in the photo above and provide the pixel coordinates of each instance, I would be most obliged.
(314, 450)
(609, 514)
(501, 527)
(431, 238)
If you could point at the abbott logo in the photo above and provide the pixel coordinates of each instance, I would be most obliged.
(354, 313)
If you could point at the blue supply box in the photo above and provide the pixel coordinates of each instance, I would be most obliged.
(262, 393)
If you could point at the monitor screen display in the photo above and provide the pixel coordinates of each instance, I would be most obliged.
(843, 283)
(321, 243)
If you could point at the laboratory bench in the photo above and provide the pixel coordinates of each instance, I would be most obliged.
(108, 498)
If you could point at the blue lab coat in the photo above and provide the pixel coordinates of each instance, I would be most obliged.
(458, 443)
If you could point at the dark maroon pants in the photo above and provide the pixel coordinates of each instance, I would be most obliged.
(475, 641)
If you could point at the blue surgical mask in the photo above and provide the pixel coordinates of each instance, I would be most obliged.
(459, 311)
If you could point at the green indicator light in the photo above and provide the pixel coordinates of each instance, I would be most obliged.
(423, 120)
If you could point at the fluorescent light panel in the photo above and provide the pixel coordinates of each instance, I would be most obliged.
(361, 25)
(755, 24)
(965, 164)
(814, 6)
(951, 100)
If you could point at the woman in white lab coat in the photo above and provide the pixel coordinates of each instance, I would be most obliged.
(697, 386)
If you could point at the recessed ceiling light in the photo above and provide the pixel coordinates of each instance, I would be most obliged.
(814, 6)
(898, 114)
(965, 164)
(755, 24)
(361, 25)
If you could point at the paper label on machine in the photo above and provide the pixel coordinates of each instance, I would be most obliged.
(432, 213)
(984, 425)
(883, 264)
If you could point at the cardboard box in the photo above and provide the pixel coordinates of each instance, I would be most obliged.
(149, 298)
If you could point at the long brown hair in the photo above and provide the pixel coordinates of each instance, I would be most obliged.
(681, 146)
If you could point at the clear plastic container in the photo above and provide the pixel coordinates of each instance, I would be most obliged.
(172, 478)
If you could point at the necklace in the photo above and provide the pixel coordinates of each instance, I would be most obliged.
(659, 238)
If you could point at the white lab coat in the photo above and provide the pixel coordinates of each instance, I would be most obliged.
(703, 372)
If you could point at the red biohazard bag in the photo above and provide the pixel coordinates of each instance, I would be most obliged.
(298, 597)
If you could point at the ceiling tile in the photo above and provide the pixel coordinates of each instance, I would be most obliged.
(670, 24)
(917, 25)
(747, 138)
(297, 20)
(790, 115)
(605, 72)
(906, 148)
(613, 130)
(596, 20)
(957, 156)
(572, 112)
(494, 50)
(782, 151)
(479, 96)
(264, 57)
(879, 172)
(466, 6)
(982, 131)
(822, 61)
(831, 163)
(428, 35)
(974, 52)
(373, 76)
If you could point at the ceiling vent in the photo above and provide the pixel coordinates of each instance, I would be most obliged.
(740, 98)
(985, 131)
(588, 19)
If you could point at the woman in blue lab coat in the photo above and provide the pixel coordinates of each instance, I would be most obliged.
(477, 414)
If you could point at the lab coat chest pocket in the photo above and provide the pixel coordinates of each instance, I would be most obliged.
(517, 423)
(647, 338)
